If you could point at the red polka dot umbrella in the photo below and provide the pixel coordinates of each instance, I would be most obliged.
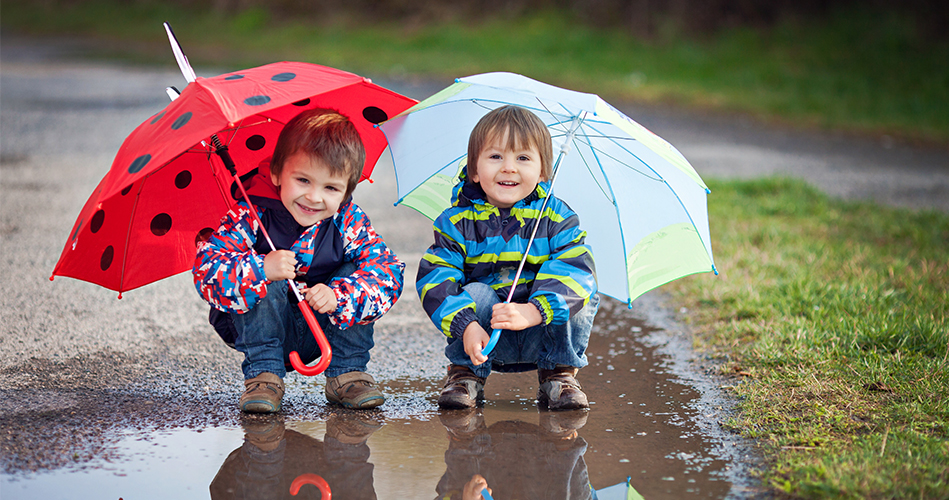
(167, 186)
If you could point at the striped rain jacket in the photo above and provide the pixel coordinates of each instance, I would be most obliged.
(229, 273)
(476, 241)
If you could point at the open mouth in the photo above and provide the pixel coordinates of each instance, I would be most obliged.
(307, 210)
(508, 183)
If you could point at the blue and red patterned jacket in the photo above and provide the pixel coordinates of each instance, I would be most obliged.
(229, 266)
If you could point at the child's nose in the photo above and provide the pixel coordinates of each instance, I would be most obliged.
(313, 195)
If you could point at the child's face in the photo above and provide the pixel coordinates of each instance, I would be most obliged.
(507, 176)
(308, 189)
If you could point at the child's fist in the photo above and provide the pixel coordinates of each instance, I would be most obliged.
(321, 298)
(475, 338)
(280, 265)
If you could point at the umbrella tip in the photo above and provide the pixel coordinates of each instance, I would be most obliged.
(714, 269)
(51, 276)
(120, 295)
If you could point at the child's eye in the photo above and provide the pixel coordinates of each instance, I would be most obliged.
(524, 158)
(495, 156)
(303, 180)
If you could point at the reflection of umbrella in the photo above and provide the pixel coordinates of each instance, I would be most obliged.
(641, 203)
(621, 491)
(169, 186)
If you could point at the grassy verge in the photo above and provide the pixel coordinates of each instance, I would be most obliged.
(863, 70)
(835, 320)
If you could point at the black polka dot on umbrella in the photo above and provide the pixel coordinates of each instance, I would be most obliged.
(106, 259)
(203, 235)
(257, 100)
(183, 179)
(283, 77)
(97, 219)
(234, 77)
(156, 118)
(302, 102)
(375, 115)
(255, 142)
(126, 190)
(139, 163)
(181, 121)
(160, 224)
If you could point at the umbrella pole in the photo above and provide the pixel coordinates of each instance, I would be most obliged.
(564, 149)
(326, 353)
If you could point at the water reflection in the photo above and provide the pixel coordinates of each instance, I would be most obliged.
(514, 458)
(276, 462)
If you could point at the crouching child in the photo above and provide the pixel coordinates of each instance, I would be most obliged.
(325, 243)
(465, 276)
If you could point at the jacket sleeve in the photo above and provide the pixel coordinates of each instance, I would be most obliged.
(567, 280)
(441, 278)
(368, 293)
(227, 272)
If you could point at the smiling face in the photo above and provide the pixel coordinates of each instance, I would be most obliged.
(507, 175)
(308, 188)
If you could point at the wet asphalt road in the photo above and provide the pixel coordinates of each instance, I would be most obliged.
(77, 361)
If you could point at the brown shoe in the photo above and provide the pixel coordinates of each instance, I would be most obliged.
(463, 389)
(559, 390)
(354, 390)
(262, 394)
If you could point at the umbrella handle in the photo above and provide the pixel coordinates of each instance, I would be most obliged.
(326, 353)
(495, 335)
(315, 480)
(484, 492)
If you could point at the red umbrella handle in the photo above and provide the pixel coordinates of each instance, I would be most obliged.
(315, 480)
(326, 353)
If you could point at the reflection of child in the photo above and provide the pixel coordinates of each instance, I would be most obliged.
(514, 459)
(466, 274)
(323, 240)
(274, 461)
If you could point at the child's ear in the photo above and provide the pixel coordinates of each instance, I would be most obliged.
(275, 179)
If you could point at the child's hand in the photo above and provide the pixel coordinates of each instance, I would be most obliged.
(510, 316)
(321, 298)
(280, 265)
(475, 338)
(474, 487)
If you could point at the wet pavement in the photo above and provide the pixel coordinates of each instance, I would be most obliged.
(139, 443)
(135, 398)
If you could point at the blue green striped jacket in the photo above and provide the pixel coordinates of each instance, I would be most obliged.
(476, 241)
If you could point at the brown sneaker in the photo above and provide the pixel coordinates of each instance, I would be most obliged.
(262, 394)
(463, 389)
(354, 390)
(559, 390)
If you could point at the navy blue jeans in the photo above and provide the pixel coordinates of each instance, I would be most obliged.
(272, 329)
(541, 346)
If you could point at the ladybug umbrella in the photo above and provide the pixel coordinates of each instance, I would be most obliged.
(178, 172)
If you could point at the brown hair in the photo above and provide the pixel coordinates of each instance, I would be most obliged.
(523, 129)
(327, 135)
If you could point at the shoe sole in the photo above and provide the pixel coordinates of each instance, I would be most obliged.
(259, 407)
(362, 405)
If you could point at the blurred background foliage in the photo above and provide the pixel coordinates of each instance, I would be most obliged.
(867, 66)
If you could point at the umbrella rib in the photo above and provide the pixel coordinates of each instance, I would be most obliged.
(673, 191)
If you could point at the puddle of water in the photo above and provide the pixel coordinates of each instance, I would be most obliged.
(642, 425)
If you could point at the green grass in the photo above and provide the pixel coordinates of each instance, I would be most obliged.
(861, 70)
(837, 316)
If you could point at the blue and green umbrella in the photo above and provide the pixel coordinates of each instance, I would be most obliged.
(641, 203)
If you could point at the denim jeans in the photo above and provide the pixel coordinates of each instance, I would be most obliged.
(541, 346)
(274, 328)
